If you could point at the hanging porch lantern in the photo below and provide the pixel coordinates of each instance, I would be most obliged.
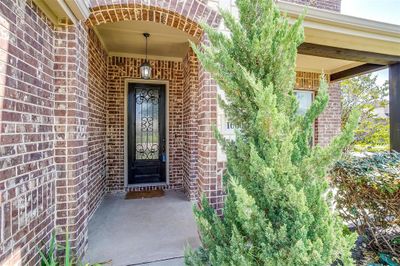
(145, 68)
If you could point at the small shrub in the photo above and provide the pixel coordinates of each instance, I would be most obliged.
(49, 255)
(368, 197)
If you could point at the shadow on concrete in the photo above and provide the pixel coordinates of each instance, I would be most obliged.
(151, 231)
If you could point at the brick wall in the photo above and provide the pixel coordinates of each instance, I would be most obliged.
(97, 122)
(190, 124)
(27, 170)
(119, 69)
(332, 5)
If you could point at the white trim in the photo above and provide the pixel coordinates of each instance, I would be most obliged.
(143, 56)
(80, 8)
(56, 10)
(160, 82)
(68, 11)
(313, 70)
(344, 21)
(96, 31)
(48, 11)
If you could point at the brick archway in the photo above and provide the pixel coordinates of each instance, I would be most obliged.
(183, 15)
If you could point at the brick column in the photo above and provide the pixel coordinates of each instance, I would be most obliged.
(71, 112)
(208, 182)
(190, 126)
(328, 124)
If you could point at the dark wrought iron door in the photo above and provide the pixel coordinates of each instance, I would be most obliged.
(146, 133)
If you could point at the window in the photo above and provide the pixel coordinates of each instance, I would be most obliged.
(305, 99)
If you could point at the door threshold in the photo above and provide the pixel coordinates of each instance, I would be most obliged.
(158, 184)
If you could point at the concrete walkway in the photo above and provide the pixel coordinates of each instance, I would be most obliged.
(151, 232)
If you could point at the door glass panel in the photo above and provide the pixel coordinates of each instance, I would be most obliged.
(147, 124)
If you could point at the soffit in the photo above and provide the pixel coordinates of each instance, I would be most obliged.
(126, 37)
(318, 64)
(52, 9)
(334, 29)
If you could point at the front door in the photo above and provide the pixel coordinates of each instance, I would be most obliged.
(146, 133)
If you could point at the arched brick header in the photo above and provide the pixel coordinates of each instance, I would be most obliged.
(184, 15)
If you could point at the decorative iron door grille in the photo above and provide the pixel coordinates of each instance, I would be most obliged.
(146, 133)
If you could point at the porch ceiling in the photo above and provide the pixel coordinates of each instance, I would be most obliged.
(318, 64)
(342, 45)
(126, 38)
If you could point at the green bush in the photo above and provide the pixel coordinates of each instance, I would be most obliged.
(276, 210)
(368, 196)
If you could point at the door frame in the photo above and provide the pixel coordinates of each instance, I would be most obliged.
(126, 87)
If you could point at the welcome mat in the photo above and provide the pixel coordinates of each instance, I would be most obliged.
(144, 194)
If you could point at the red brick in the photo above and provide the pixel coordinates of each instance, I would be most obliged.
(62, 119)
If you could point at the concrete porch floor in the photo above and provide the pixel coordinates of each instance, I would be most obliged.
(151, 231)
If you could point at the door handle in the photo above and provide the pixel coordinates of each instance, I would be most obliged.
(163, 153)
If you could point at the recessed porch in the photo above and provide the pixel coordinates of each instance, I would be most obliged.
(152, 231)
(140, 231)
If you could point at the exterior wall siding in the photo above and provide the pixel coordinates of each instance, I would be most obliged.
(27, 168)
(97, 123)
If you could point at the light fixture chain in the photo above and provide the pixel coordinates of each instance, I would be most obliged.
(146, 48)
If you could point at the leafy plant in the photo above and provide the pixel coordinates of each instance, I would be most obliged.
(277, 210)
(368, 196)
(49, 258)
(379, 171)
